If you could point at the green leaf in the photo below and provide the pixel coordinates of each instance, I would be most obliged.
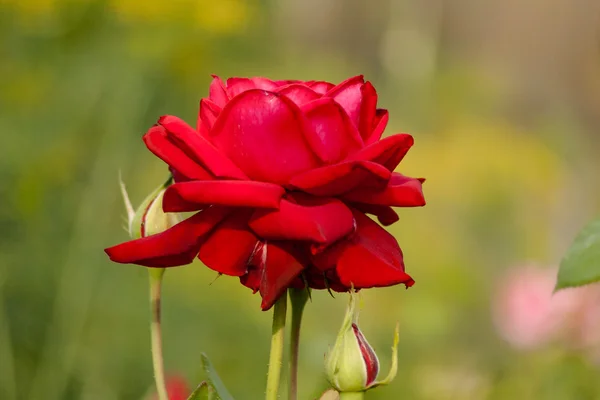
(200, 393)
(214, 381)
(581, 264)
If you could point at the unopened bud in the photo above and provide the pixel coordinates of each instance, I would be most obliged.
(352, 365)
(149, 218)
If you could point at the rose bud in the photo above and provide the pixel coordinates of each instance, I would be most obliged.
(352, 365)
(149, 218)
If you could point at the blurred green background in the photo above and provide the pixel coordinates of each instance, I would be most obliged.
(503, 99)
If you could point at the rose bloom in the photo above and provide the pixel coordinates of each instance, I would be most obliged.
(281, 175)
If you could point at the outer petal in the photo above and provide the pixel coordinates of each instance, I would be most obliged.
(282, 265)
(200, 149)
(217, 92)
(337, 179)
(379, 123)
(207, 116)
(401, 191)
(284, 82)
(252, 278)
(228, 248)
(367, 110)
(371, 258)
(385, 214)
(333, 136)
(298, 93)
(264, 134)
(307, 218)
(256, 267)
(349, 95)
(157, 141)
(320, 87)
(236, 86)
(190, 196)
(175, 246)
(387, 152)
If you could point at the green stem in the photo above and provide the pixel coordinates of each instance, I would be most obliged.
(298, 298)
(155, 333)
(352, 395)
(277, 339)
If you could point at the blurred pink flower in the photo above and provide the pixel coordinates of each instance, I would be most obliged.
(527, 313)
(584, 332)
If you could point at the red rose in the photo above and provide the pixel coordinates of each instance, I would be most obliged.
(281, 174)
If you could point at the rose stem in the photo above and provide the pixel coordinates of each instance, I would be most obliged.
(156, 275)
(352, 395)
(298, 298)
(277, 339)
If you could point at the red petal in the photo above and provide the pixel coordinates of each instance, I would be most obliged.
(367, 110)
(157, 142)
(329, 279)
(370, 358)
(179, 197)
(282, 265)
(401, 191)
(264, 83)
(217, 92)
(370, 258)
(379, 123)
(229, 247)
(175, 246)
(284, 82)
(207, 116)
(236, 86)
(333, 135)
(385, 215)
(298, 93)
(200, 149)
(348, 94)
(336, 179)
(252, 279)
(320, 86)
(387, 152)
(307, 218)
(256, 267)
(263, 133)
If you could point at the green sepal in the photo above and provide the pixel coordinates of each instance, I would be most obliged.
(135, 223)
(214, 381)
(202, 392)
(394, 368)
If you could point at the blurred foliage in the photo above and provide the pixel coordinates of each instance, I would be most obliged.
(83, 80)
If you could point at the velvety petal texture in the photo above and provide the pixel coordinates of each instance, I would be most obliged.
(281, 175)
(175, 246)
(319, 220)
(194, 195)
(263, 133)
(229, 247)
